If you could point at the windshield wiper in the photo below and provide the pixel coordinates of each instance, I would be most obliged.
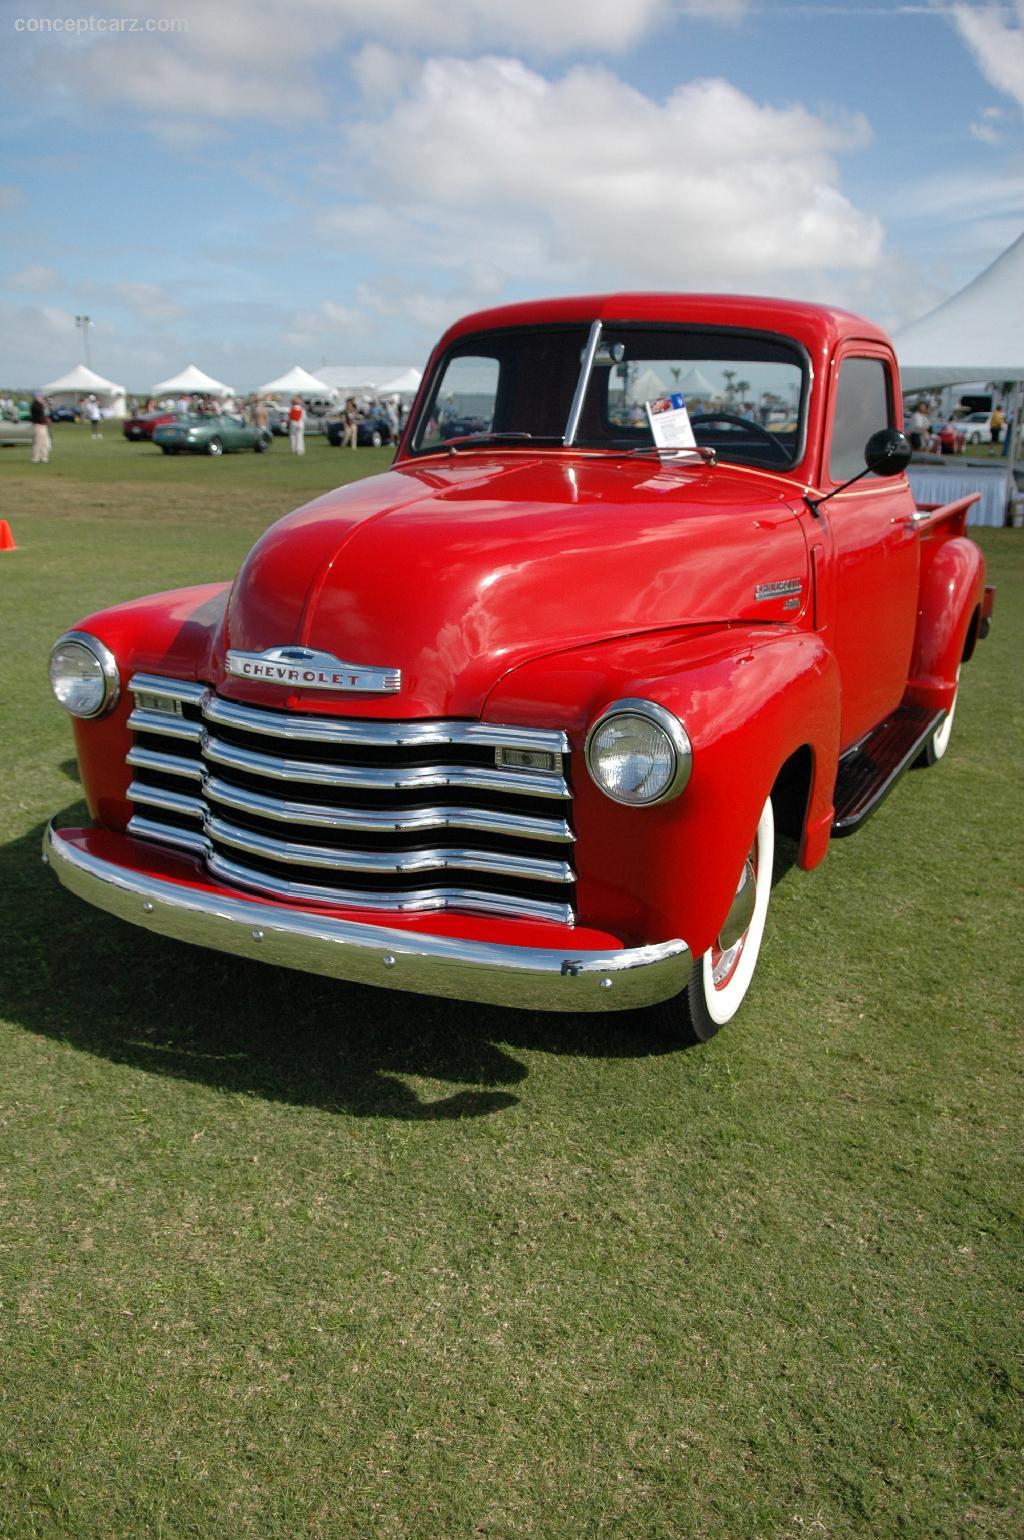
(709, 456)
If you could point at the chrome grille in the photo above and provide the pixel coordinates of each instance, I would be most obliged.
(398, 816)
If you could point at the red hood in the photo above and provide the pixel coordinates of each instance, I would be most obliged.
(456, 571)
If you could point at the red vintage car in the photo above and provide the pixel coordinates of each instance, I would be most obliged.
(520, 719)
(143, 427)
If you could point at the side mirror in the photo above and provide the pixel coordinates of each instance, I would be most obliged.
(887, 452)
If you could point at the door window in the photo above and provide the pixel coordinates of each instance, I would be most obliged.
(863, 405)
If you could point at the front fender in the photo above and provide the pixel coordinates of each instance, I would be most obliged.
(169, 633)
(952, 589)
(749, 698)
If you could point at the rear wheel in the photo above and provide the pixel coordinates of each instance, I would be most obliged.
(262, 444)
(938, 743)
(215, 447)
(168, 450)
(721, 978)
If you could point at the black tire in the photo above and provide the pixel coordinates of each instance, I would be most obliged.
(167, 450)
(376, 439)
(262, 444)
(215, 447)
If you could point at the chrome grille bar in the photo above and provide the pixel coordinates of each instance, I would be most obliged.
(170, 801)
(165, 764)
(168, 834)
(372, 821)
(414, 778)
(290, 853)
(421, 901)
(164, 725)
(363, 734)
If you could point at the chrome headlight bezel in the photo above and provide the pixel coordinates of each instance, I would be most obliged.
(108, 675)
(677, 739)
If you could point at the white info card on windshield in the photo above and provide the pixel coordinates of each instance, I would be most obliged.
(670, 422)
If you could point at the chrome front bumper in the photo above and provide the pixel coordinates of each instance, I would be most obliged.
(530, 978)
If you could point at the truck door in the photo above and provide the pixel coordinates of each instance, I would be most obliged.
(874, 546)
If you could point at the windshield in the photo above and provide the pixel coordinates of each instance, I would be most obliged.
(744, 391)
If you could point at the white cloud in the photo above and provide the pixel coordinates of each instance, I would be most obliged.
(309, 329)
(258, 58)
(34, 279)
(585, 179)
(995, 36)
(989, 127)
(148, 300)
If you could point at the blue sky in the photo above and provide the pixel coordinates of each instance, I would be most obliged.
(251, 184)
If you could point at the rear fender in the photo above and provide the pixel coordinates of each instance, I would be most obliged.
(749, 698)
(951, 593)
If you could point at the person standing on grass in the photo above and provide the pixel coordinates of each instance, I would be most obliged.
(297, 427)
(350, 419)
(92, 411)
(996, 425)
(41, 440)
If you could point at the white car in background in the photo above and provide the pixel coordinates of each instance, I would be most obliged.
(14, 431)
(977, 427)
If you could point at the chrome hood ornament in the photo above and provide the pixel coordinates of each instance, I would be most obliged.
(304, 668)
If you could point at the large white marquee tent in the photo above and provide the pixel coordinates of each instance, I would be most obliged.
(80, 381)
(192, 382)
(299, 382)
(976, 336)
(378, 379)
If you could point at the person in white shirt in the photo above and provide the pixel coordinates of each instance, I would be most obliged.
(297, 426)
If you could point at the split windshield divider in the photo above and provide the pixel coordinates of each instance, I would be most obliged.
(576, 410)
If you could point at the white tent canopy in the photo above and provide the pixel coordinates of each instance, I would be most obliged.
(81, 381)
(298, 382)
(353, 378)
(978, 334)
(192, 382)
(694, 383)
(405, 384)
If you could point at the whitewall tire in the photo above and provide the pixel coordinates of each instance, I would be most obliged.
(938, 743)
(721, 978)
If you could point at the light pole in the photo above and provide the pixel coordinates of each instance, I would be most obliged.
(84, 322)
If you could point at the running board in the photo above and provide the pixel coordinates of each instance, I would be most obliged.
(869, 771)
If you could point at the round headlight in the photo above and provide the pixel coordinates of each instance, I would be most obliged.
(638, 753)
(83, 675)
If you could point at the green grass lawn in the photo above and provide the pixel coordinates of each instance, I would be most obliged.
(284, 1258)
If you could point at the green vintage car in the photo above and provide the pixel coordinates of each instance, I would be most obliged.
(211, 435)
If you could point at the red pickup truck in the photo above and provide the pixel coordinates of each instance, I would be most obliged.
(518, 720)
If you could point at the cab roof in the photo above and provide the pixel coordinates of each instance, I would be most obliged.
(817, 327)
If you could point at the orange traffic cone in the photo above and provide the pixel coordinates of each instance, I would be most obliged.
(6, 537)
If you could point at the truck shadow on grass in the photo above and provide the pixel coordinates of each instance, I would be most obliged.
(81, 977)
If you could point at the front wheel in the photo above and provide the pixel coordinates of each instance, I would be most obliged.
(262, 444)
(721, 978)
(215, 447)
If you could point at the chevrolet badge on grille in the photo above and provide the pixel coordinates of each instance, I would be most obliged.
(304, 668)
